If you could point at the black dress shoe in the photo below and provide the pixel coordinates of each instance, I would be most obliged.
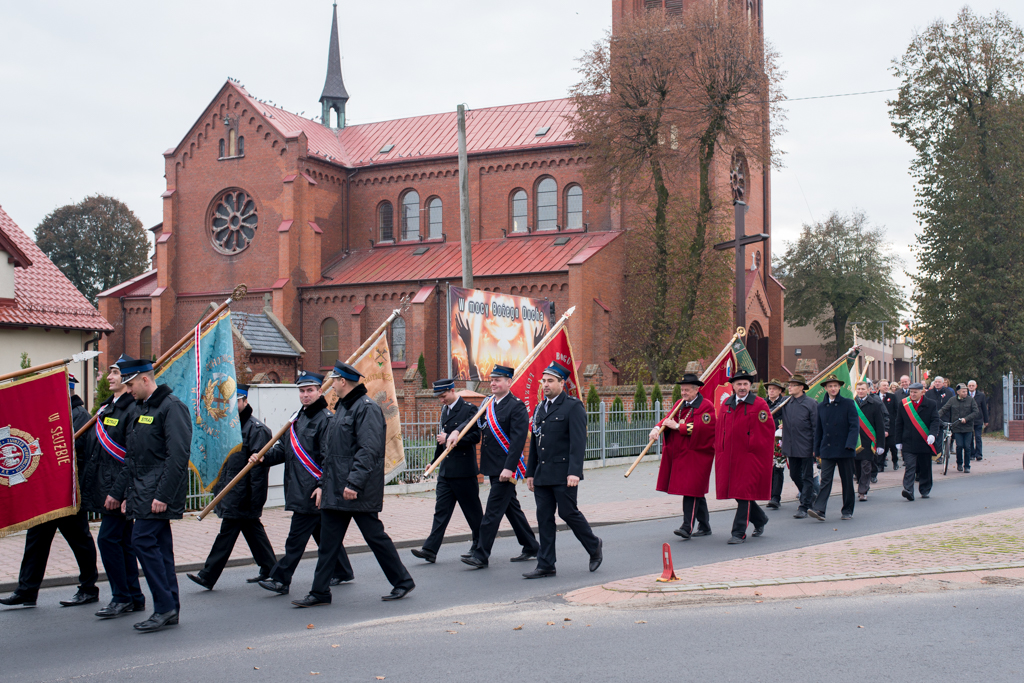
(959, 468)
(81, 598)
(758, 530)
(200, 581)
(773, 505)
(337, 580)
(967, 470)
(539, 573)
(474, 561)
(820, 516)
(397, 593)
(17, 598)
(733, 540)
(465, 555)
(682, 533)
(908, 495)
(525, 557)
(157, 621)
(702, 531)
(115, 609)
(846, 517)
(874, 480)
(596, 560)
(310, 601)
(425, 555)
(800, 514)
(274, 586)
(895, 467)
(257, 579)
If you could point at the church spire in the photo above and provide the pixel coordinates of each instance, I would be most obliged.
(334, 95)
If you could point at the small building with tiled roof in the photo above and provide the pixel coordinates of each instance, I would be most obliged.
(41, 313)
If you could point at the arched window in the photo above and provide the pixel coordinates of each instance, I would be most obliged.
(386, 221)
(222, 148)
(411, 215)
(434, 218)
(574, 208)
(547, 204)
(519, 207)
(398, 340)
(232, 143)
(328, 342)
(146, 343)
(241, 146)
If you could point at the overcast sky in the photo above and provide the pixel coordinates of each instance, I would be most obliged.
(93, 93)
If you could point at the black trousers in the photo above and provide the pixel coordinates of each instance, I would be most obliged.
(778, 479)
(696, 509)
(503, 501)
(563, 499)
(801, 472)
(747, 512)
(334, 525)
(895, 455)
(38, 539)
(154, 547)
(828, 468)
(255, 535)
(865, 469)
(115, 543)
(302, 527)
(464, 491)
(917, 466)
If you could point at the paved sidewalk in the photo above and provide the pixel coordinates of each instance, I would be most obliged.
(606, 497)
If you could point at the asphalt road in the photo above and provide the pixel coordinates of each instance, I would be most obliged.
(906, 638)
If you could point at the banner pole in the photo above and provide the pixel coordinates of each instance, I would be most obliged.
(77, 358)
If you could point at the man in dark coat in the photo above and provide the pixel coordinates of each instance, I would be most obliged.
(982, 422)
(503, 435)
(917, 423)
(775, 388)
(353, 489)
(301, 451)
(456, 479)
(240, 510)
(872, 424)
(154, 484)
(744, 451)
(961, 411)
(836, 435)
(940, 392)
(558, 443)
(115, 536)
(74, 529)
(799, 416)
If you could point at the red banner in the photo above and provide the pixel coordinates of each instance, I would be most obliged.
(717, 387)
(528, 387)
(38, 481)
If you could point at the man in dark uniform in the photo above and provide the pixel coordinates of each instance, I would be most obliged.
(301, 451)
(154, 483)
(115, 536)
(242, 507)
(503, 436)
(456, 480)
(775, 388)
(872, 437)
(74, 529)
(836, 435)
(353, 489)
(557, 447)
(917, 423)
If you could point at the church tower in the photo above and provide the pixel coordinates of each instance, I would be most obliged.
(334, 95)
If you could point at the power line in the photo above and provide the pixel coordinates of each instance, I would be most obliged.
(846, 94)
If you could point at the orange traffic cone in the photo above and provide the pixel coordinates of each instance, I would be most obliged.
(668, 573)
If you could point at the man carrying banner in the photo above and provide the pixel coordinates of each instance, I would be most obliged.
(74, 529)
(744, 447)
(798, 417)
(775, 388)
(456, 481)
(836, 435)
(301, 451)
(917, 422)
(871, 418)
(503, 436)
(353, 489)
(115, 536)
(241, 509)
(558, 443)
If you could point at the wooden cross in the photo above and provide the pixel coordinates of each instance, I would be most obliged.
(739, 244)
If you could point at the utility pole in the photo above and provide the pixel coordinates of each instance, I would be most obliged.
(467, 244)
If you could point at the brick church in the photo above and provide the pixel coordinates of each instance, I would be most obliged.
(330, 225)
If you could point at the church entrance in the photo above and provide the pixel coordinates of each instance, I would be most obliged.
(757, 346)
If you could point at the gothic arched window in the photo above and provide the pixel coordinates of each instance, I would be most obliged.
(328, 342)
(411, 215)
(547, 204)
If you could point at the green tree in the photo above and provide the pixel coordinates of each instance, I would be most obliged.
(26, 362)
(639, 402)
(421, 369)
(960, 106)
(96, 243)
(103, 392)
(593, 404)
(840, 271)
(762, 391)
(657, 399)
(618, 411)
(677, 394)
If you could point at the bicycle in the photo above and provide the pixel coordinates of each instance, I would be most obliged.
(947, 446)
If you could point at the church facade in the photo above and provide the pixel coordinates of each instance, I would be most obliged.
(331, 225)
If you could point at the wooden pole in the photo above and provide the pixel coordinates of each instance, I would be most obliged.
(77, 358)
(740, 332)
(523, 366)
(284, 429)
(467, 242)
(236, 294)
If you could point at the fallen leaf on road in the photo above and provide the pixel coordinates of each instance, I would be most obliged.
(248, 648)
(310, 626)
(758, 600)
(756, 593)
(379, 678)
(551, 623)
(314, 673)
(335, 645)
(256, 668)
(460, 623)
(835, 529)
(798, 608)
(588, 624)
(519, 628)
(452, 631)
(640, 622)
(860, 627)
(567, 619)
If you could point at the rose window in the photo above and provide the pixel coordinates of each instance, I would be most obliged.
(234, 221)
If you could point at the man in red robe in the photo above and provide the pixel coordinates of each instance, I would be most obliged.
(688, 455)
(744, 443)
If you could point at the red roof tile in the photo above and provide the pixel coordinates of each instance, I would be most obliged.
(43, 296)
(510, 256)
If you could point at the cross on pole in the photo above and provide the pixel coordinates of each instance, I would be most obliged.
(739, 244)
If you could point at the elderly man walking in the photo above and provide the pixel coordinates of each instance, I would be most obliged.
(798, 418)
(917, 421)
(981, 423)
(836, 434)
(961, 411)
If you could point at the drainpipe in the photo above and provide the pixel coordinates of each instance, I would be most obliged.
(124, 327)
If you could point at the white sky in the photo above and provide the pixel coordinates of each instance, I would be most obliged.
(92, 93)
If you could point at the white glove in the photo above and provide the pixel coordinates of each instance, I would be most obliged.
(879, 451)
(931, 439)
(778, 433)
(899, 447)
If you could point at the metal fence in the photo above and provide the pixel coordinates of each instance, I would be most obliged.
(1016, 396)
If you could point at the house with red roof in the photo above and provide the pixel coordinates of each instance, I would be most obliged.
(41, 312)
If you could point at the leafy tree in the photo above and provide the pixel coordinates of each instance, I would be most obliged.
(762, 391)
(960, 106)
(677, 394)
(593, 403)
(837, 272)
(421, 368)
(656, 399)
(658, 105)
(26, 362)
(639, 402)
(96, 243)
(103, 392)
(618, 411)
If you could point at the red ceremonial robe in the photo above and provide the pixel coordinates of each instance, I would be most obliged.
(744, 443)
(686, 459)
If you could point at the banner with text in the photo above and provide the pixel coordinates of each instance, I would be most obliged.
(527, 386)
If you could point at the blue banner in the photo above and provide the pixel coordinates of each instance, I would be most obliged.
(208, 389)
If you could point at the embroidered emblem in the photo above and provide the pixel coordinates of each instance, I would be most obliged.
(763, 416)
(706, 417)
(19, 455)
